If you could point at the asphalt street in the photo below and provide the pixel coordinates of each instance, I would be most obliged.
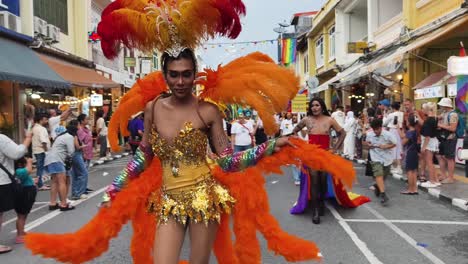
(411, 229)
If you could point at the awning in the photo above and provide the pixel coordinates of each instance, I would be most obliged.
(397, 55)
(433, 86)
(20, 64)
(338, 77)
(434, 79)
(78, 75)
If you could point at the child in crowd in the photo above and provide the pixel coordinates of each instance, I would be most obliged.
(410, 141)
(26, 198)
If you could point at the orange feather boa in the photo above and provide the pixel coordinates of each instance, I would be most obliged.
(246, 186)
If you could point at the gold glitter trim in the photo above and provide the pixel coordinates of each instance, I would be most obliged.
(188, 148)
(201, 203)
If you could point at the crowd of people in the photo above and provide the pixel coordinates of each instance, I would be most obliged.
(414, 140)
(62, 147)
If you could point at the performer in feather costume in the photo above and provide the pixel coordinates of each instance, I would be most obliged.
(170, 185)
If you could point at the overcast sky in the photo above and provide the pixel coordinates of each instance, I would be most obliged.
(262, 17)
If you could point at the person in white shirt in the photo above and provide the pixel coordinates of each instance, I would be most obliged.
(242, 134)
(40, 145)
(339, 116)
(381, 142)
(394, 122)
(101, 130)
(54, 120)
(350, 127)
(286, 127)
(9, 152)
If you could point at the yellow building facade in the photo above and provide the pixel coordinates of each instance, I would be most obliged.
(321, 49)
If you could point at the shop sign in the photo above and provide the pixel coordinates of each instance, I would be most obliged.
(299, 104)
(12, 6)
(129, 61)
(96, 100)
(429, 92)
(458, 150)
(452, 89)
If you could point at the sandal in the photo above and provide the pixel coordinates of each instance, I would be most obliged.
(409, 193)
(4, 249)
(53, 207)
(66, 208)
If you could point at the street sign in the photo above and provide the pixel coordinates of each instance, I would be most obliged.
(96, 100)
(129, 61)
(299, 104)
(359, 47)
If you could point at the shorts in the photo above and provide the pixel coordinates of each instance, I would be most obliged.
(6, 198)
(447, 148)
(24, 201)
(378, 169)
(432, 145)
(55, 167)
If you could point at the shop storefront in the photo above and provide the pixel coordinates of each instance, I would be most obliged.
(21, 70)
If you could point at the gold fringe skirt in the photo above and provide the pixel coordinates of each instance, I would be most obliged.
(202, 202)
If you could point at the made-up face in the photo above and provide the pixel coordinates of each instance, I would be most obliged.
(316, 108)
(180, 77)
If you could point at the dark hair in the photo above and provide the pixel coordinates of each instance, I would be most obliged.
(40, 116)
(340, 107)
(81, 118)
(322, 105)
(185, 54)
(72, 127)
(376, 123)
(371, 112)
(412, 120)
(396, 105)
(100, 113)
(20, 163)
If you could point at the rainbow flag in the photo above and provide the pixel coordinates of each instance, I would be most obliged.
(288, 51)
(461, 101)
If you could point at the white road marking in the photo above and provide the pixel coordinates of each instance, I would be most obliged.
(406, 237)
(53, 214)
(428, 222)
(359, 243)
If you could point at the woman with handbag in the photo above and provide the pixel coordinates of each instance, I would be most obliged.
(57, 162)
(9, 152)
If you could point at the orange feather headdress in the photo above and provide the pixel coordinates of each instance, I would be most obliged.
(167, 25)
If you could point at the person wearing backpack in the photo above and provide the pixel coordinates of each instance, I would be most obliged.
(447, 125)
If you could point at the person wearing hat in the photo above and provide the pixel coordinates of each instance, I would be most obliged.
(382, 108)
(448, 121)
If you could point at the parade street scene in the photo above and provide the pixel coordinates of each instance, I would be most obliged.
(233, 131)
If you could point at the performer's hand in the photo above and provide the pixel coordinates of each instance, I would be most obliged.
(282, 142)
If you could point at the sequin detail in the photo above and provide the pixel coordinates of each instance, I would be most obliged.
(188, 148)
(204, 202)
(243, 159)
(134, 167)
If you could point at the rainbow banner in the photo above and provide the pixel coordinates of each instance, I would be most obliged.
(288, 51)
(461, 100)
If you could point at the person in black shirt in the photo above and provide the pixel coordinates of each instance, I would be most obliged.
(429, 143)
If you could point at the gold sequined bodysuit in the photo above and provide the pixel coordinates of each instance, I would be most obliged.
(189, 191)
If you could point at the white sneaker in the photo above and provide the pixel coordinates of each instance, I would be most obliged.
(83, 196)
(297, 183)
(429, 184)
